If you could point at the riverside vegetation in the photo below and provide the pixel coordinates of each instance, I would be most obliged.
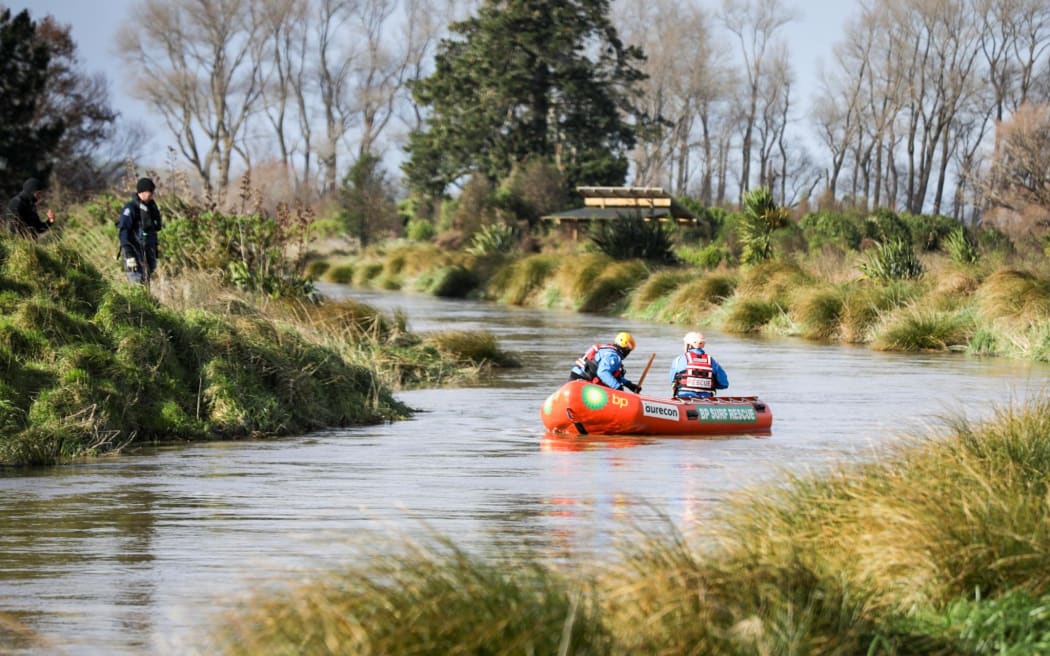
(230, 342)
(940, 547)
(892, 282)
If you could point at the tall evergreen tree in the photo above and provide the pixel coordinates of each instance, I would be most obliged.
(528, 79)
(25, 142)
(367, 207)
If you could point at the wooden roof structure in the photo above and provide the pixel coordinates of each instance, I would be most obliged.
(615, 203)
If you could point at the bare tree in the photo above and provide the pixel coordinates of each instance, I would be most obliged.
(688, 85)
(839, 113)
(334, 66)
(1017, 185)
(283, 25)
(755, 24)
(195, 66)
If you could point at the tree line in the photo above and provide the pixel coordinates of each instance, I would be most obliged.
(924, 107)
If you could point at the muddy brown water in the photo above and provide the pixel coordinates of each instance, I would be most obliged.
(137, 554)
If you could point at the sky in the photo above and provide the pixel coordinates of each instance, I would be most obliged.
(95, 22)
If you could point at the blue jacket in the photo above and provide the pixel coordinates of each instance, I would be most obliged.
(679, 364)
(609, 368)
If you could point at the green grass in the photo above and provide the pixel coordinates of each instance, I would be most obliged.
(92, 365)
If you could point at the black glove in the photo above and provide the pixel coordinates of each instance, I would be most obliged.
(631, 386)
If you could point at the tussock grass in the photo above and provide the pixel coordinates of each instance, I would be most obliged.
(953, 289)
(455, 281)
(924, 329)
(657, 286)
(342, 274)
(1015, 295)
(471, 347)
(577, 274)
(438, 600)
(609, 291)
(772, 281)
(940, 546)
(749, 315)
(819, 311)
(866, 304)
(520, 282)
(692, 302)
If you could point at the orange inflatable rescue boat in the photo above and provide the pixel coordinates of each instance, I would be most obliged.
(582, 408)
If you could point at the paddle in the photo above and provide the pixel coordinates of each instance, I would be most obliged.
(646, 371)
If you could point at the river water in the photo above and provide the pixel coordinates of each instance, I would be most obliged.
(138, 553)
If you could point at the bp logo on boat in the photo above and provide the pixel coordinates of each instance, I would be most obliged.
(594, 397)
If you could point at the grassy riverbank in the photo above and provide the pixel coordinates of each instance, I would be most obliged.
(940, 547)
(92, 365)
(992, 308)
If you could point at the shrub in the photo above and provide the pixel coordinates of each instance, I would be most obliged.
(884, 226)
(420, 230)
(632, 237)
(255, 252)
(928, 232)
(707, 257)
(893, 260)
(822, 229)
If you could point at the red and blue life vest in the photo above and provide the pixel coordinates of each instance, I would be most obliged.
(698, 375)
(588, 364)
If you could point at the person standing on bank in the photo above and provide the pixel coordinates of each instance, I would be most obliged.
(602, 364)
(137, 229)
(25, 219)
(695, 374)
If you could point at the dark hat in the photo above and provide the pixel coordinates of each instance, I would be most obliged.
(31, 186)
(144, 184)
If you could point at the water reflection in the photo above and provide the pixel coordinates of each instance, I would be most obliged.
(135, 554)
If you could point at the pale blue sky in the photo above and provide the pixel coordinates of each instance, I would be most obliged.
(95, 25)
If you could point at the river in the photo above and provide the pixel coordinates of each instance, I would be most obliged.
(136, 554)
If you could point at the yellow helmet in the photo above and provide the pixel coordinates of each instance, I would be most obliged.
(625, 341)
(694, 339)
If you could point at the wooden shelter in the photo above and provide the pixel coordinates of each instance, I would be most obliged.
(617, 203)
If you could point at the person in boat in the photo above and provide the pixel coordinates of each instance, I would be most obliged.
(602, 364)
(695, 374)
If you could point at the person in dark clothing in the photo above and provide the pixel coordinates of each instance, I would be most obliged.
(24, 218)
(137, 229)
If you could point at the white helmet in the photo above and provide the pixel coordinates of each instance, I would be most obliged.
(694, 340)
